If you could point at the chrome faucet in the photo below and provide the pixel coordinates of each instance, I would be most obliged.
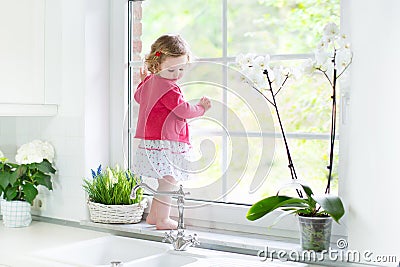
(179, 241)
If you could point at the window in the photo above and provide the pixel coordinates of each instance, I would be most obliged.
(239, 148)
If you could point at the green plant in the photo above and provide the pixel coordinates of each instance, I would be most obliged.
(19, 181)
(112, 186)
(312, 206)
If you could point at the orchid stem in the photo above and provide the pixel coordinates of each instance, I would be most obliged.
(291, 165)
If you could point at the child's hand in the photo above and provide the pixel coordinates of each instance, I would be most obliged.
(143, 73)
(205, 102)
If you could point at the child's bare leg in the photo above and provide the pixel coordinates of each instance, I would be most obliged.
(161, 206)
(151, 217)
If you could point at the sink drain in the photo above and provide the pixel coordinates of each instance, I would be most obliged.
(116, 264)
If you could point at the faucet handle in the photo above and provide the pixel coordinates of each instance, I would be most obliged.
(181, 192)
(167, 236)
(195, 240)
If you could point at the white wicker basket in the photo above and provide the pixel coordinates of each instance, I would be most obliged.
(101, 213)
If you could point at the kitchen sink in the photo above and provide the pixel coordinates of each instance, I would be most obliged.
(103, 251)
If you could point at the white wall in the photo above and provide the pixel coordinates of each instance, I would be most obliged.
(77, 78)
(372, 180)
(97, 74)
(118, 84)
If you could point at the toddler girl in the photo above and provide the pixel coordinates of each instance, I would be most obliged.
(161, 126)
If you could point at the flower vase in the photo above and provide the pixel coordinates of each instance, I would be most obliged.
(315, 233)
(16, 213)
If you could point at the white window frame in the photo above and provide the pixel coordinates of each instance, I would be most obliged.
(221, 216)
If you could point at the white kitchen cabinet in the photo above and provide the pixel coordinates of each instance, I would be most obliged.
(22, 59)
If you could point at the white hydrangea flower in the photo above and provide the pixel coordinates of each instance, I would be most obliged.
(35, 152)
(1, 154)
(48, 151)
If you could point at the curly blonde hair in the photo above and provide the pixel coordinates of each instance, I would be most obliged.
(169, 45)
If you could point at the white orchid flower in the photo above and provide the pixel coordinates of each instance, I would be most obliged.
(343, 59)
(295, 72)
(322, 58)
(261, 62)
(248, 60)
(247, 73)
(240, 60)
(308, 67)
(343, 42)
(257, 78)
(322, 44)
(260, 82)
(331, 30)
(280, 74)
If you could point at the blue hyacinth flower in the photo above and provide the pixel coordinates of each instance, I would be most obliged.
(99, 170)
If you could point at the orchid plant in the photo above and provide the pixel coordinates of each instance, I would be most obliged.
(19, 181)
(332, 58)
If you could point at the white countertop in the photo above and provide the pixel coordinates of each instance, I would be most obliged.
(17, 244)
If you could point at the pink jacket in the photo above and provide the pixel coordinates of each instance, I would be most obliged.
(163, 111)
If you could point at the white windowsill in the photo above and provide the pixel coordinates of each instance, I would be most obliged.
(223, 240)
(209, 238)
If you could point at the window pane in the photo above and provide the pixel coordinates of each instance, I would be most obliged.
(247, 109)
(310, 158)
(238, 157)
(204, 79)
(206, 182)
(199, 22)
(277, 27)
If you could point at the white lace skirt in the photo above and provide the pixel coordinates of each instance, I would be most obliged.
(158, 158)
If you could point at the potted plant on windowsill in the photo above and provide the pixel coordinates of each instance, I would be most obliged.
(109, 196)
(315, 213)
(19, 181)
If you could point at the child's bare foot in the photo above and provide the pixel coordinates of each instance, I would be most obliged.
(151, 220)
(166, 224)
